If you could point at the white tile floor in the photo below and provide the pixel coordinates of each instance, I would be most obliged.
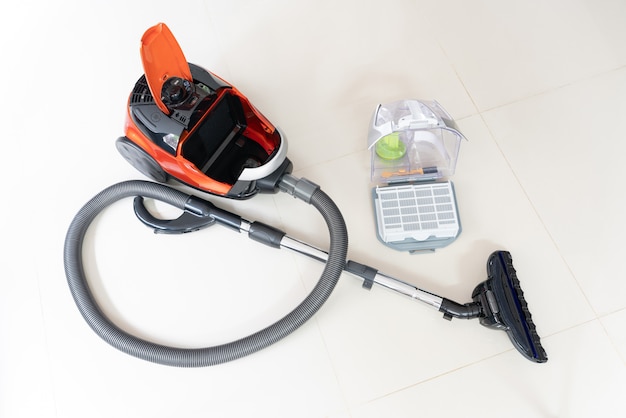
(539, 89)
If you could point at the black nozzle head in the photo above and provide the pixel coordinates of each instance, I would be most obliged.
(504, 307)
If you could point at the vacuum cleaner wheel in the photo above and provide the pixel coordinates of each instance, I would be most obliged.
(141, 160)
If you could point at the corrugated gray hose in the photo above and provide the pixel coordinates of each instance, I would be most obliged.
(192, 357)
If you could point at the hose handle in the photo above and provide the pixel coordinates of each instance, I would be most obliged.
(198, 214)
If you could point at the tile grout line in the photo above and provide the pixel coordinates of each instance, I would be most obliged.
(536, 212)
(440, 375)
(545, 91)
(481, 113)
(464, 366)
(606, 332)
(344, 397)
(294, 257)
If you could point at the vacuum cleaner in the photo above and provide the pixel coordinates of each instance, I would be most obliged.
(187, 124)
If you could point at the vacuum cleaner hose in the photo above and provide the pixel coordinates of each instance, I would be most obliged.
(193, 357)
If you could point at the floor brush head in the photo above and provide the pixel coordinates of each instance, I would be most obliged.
(504, 307)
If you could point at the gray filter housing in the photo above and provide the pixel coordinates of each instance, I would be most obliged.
(416, 217)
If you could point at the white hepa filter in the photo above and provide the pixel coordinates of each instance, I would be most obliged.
(414, 214)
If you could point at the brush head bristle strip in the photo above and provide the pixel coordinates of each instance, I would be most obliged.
(505, 308)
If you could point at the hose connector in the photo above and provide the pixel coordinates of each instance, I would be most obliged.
(301, 189)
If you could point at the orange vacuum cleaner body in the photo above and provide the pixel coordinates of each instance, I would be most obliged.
(186, 123)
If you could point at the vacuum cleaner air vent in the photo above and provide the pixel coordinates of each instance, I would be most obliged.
(141, 93)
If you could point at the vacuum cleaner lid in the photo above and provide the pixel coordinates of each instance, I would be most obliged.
(167, 72)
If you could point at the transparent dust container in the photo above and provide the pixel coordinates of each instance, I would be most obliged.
(412, 140)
